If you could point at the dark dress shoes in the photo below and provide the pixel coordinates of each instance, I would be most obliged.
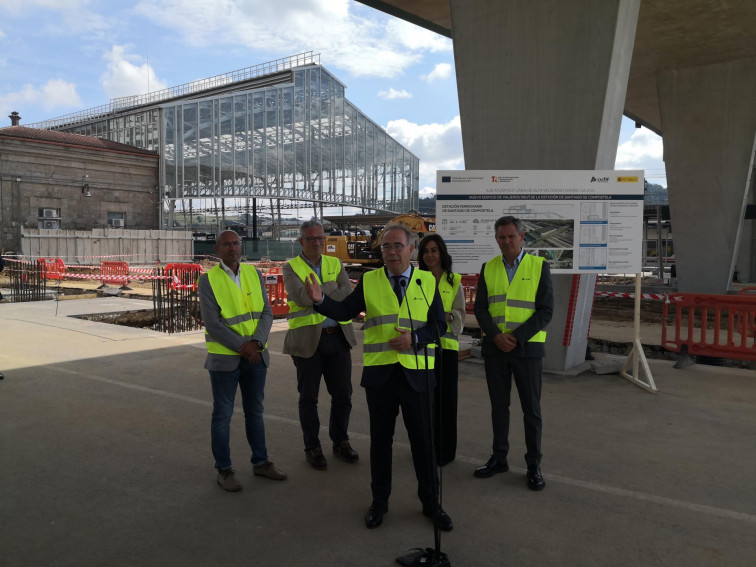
(535, 479)
(444, 521)
(374, 517)
(344, 451)
(491, 468)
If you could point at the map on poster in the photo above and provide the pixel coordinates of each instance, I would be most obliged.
(580, 221)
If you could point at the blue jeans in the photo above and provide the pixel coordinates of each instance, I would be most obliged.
(251, 380)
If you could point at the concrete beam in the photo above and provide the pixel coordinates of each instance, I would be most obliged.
(709, 121)
(542, 86)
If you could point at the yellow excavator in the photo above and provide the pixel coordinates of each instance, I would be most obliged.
(359, 249)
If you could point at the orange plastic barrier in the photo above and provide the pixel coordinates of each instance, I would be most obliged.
(186, 275)
(711, 325)
(114, 273)
(52, 268)
(469, 285)
(276, 293)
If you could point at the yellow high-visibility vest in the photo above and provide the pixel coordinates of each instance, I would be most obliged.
(448, 293)
(511, 304)
(241, 309)
(301, 316)
(383, 313)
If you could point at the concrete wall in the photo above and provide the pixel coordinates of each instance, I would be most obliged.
(91, 247)
(36, 176)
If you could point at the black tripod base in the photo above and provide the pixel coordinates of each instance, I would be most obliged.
(427, 556)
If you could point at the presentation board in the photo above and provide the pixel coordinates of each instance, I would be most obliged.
(580, 221)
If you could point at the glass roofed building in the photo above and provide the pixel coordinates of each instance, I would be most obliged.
(281, 130)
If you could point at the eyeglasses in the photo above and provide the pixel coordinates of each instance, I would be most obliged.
(313, 239)
(233, 243)
(395, 247)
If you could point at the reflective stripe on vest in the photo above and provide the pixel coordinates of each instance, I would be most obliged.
(241, 309)
(383, 313)
(516, 304)
(448, 293)
(300, 316)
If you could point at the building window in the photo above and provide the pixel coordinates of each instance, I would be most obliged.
(116, 220)
(48, 218)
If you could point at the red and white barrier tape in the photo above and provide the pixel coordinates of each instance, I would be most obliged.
(654, 296)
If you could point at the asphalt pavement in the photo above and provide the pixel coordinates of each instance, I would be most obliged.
(106, 461)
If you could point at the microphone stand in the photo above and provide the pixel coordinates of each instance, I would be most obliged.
(432, 557)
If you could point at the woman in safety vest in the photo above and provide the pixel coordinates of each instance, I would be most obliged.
(433, 257)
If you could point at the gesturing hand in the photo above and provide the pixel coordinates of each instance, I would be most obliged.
(314, 291)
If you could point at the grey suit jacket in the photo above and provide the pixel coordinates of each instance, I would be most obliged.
(304, 341)
(226, 336)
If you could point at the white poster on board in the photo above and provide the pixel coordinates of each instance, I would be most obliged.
(580, 221)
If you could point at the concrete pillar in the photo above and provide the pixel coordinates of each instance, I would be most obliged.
(708, 116)
(542, 86)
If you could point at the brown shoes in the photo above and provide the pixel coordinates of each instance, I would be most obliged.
(268, 470)
(227, 481)
(344, 451)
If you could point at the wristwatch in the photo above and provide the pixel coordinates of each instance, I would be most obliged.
(260, 346)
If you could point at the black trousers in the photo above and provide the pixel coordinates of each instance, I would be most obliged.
(526, 372)
(445, 432)
(384, 404)
(333, 361)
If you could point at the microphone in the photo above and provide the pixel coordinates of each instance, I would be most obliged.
(430, 557)
(403, 284)
(419, 283)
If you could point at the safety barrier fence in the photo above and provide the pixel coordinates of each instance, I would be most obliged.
(722, 326)
(174, 286)
(114, 272)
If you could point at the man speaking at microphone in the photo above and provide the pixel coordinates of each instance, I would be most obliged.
(404, 315)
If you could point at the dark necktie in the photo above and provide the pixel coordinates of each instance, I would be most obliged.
(398, 287)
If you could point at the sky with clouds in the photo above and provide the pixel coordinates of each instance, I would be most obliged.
(62, 56)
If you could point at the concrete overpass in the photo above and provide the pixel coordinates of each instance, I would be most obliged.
(543, 85)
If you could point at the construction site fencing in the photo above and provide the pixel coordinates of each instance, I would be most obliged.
(114, 273)
(175, 299)
(721, 326)
(276, 292)
(28, 281)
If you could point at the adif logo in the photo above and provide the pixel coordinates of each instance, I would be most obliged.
(599, 180)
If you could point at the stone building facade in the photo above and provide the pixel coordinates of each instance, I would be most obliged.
(56, 180)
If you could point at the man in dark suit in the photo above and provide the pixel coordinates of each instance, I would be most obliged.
(403, 315)
(513, 303)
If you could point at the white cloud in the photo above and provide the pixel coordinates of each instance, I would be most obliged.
(416, 38)
(2, 34)
(440, 71)
(644, 150)
(376, 47)
(55, 93)
(56, 18)
(122, 77)
(392, 94)
(439, 146)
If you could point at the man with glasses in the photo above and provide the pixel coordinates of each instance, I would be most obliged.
(237, 315)
(404, 314)
(320, 346)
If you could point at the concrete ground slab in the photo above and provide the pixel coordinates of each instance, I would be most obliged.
(106, 461)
